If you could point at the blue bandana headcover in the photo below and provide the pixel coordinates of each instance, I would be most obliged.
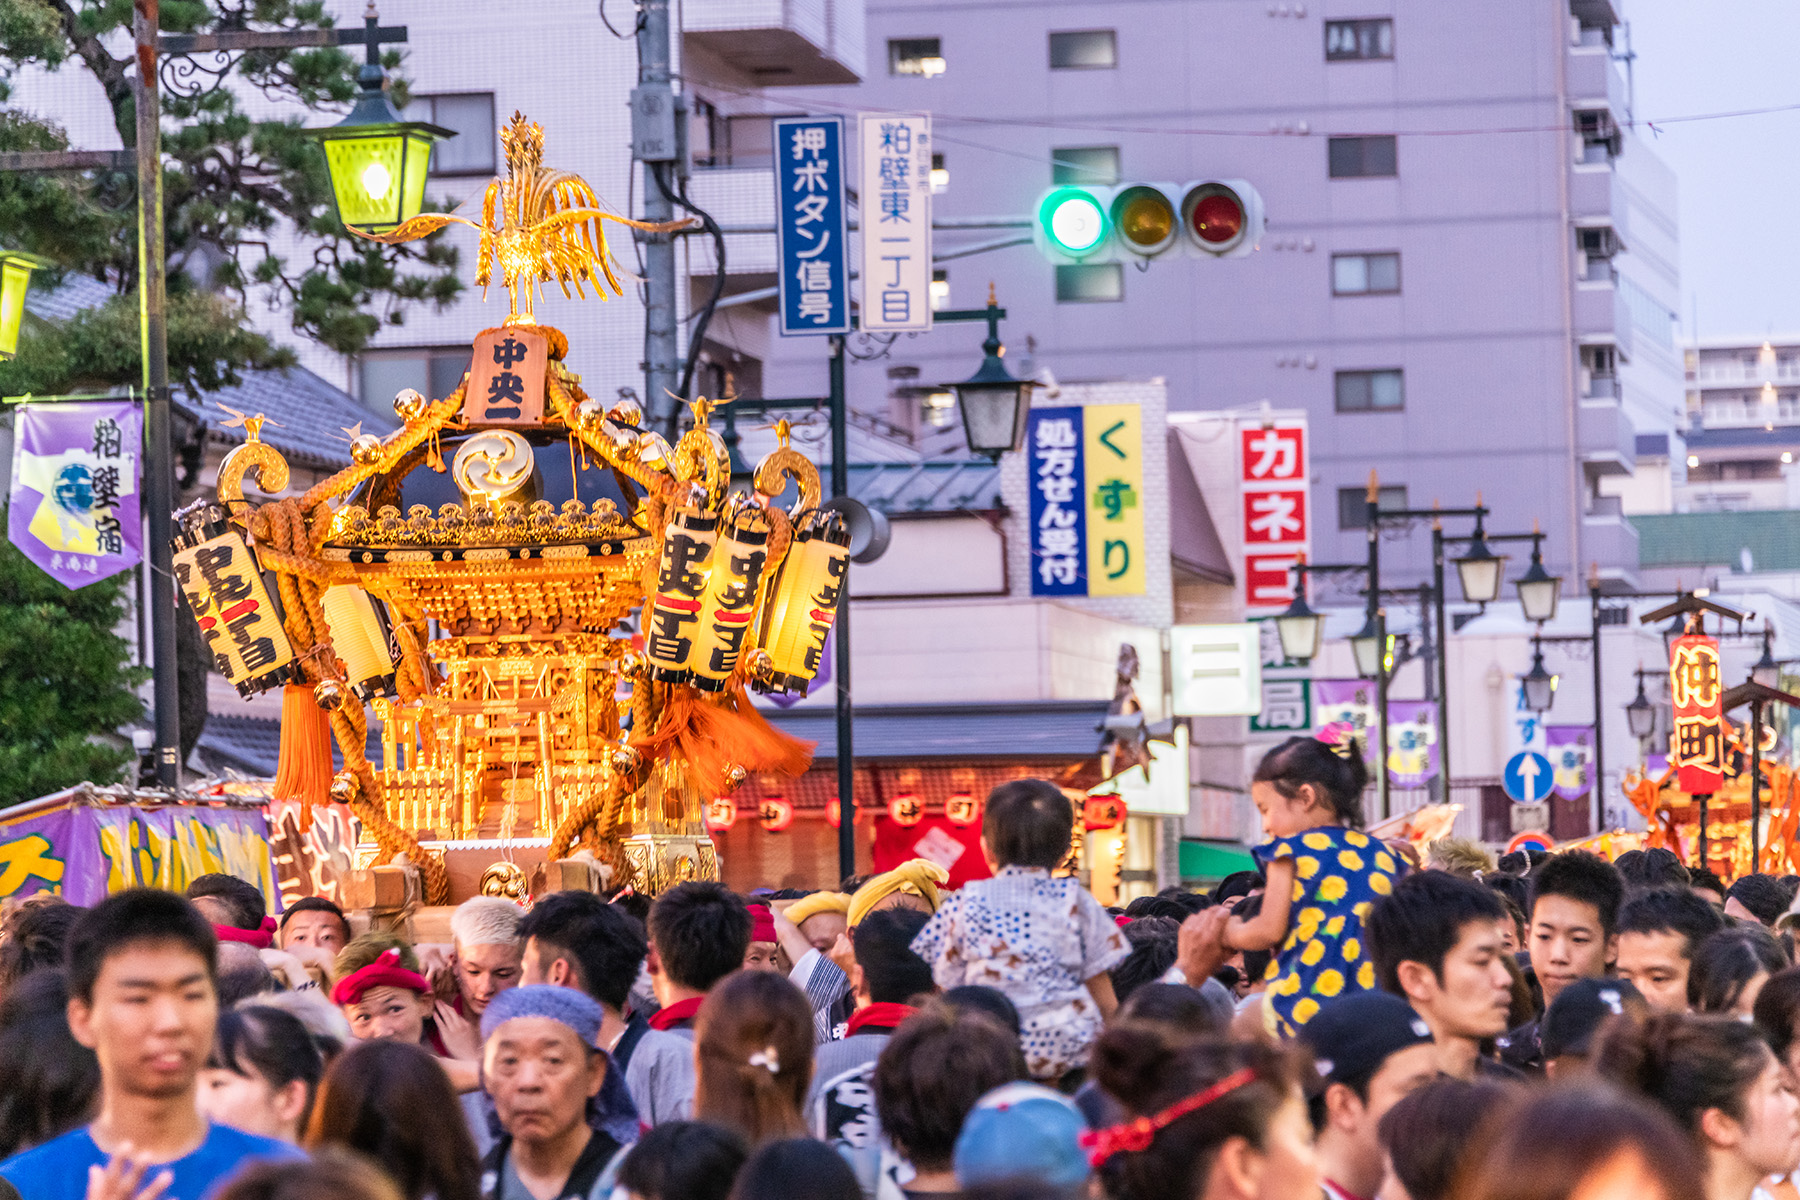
(612, 1110)
(577, 1010)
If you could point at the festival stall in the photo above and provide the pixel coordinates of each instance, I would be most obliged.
(86, 841)
(552, 613)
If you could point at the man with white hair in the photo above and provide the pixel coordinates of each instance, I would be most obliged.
(485, 931)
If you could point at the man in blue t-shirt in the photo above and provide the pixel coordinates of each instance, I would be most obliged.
(141, 968)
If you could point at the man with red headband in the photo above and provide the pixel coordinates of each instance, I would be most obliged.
(382, 995)
(765, 947)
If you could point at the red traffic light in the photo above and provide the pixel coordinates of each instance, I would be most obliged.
(1216, 217)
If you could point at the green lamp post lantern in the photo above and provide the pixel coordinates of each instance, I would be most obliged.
(378, 160)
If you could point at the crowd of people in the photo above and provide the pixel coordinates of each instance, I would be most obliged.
(1353, 1020)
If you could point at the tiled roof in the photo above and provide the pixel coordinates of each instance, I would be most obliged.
(307, 416)
(253, 744)
(1051, 729)
(1718, 539)
(927, 486)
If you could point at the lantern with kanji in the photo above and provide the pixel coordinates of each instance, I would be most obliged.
(1103, 812)
(720, 814)
(1697, 746)
(672, 625)
(775, 814)
(803, 602)
(907, 809)
(962, 809)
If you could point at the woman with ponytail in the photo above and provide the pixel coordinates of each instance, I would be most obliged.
(1720, 1082)
(753, 1051)
(1210, 1119)
(1323, 875)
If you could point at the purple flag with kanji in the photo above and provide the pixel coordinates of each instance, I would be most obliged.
(74, 503)
(1571, 752)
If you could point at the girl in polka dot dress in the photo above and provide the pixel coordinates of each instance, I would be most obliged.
(1323, 875)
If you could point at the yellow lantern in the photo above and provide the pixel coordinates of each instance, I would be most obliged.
(224, 586)
(804, 600)
(15, 281)
(672, 619)
(360, 638)
(730, 604)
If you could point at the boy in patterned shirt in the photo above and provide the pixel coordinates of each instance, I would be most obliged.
(1042, 940)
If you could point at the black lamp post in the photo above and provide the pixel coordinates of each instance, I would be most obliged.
(1539, 590)
(1479, 569)
(994, 404)
(378, 160)
(1767, 671)
(1540, 684)
(1640, 714)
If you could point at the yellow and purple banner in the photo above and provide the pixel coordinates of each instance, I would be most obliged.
(74, 504)
(82, 852)
(1086, 467)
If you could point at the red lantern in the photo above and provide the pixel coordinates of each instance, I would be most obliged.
(1696, 690)
(962, 809)
(1103, 812)
(907, 809)
(834, 813)
(775, 814)
(720, 815)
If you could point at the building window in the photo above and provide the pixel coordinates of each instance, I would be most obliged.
(1370, 391)
(940, 174)
(915, 56)
(1084, 283)
(1084, 50)
(432, 371)
(1371, 157)
(1353, 504)
(1600, 138)
(1365, 274)
(1084, 164)
(1370, 39)
(940, 288)
(471, 115)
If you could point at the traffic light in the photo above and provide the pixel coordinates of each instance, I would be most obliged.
(1213, 218)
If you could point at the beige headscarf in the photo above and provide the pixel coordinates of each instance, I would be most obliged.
(919, 877)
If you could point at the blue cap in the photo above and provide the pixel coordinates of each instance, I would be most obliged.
(1022, 1131)
(577, 1010)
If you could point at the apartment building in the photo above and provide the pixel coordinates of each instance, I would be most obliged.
(1468, 277)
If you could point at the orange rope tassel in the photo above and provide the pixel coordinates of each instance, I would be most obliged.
(303, 771)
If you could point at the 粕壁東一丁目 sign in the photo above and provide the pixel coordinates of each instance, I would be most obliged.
(895, 199)
(1085, 468)
(811, 227)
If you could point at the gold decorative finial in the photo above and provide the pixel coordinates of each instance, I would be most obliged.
(252, 426)
(541, 226)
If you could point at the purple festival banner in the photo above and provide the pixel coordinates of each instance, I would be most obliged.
(1347, 702)
(1412, 743)
(1570, 749)
(84, 851)
(74, 504)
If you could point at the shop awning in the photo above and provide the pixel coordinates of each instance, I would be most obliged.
(1053, 729)
(1213, 860)
(1194, 543)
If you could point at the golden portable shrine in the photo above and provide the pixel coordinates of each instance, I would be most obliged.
(471, 580)
(1674, 816)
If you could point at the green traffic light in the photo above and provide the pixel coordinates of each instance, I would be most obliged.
(1073, 220)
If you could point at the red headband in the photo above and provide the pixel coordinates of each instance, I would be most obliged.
(385, 971)
(1135, 1136)
(262, 937)
(762, 924)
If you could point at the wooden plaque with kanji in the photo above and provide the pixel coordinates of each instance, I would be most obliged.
(506, 378)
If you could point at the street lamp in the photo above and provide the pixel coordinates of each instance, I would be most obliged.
(1540, 685)
(1640, 714)
(1480, 570)
(1766, 670)
(1300, 629)
(1539, 590)
(1367, 648)
(994, 404)
(378, 160)
(15, 281)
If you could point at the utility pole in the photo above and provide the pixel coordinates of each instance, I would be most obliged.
(159, 473)
(655, 143)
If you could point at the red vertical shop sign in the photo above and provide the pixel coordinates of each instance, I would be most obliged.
(1698, 748)
(1277, 517)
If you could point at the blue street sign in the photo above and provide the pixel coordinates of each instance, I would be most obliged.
(812, 230)
(1528, 777)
